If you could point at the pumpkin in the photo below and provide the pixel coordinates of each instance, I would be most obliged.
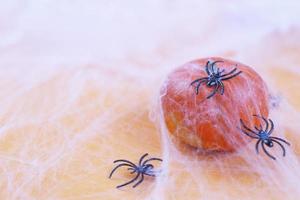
(212, 124)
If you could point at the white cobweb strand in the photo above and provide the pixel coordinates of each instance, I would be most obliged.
(163, 177)
(139, 43)
(279, 178)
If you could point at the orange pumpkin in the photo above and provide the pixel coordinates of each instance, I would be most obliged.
(213, 124)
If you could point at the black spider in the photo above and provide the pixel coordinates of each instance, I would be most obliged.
(263, 136)
(143, 168)
(214, 78)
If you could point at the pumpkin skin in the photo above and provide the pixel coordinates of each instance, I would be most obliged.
(212, 124)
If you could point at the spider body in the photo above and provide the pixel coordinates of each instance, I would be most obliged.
(141, 169)
(263, 136)
(214, 78)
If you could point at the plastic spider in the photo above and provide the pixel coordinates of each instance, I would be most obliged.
(214, 78)
(263, 136)
(143, 168)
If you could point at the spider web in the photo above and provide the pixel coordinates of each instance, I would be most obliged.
(79, 88)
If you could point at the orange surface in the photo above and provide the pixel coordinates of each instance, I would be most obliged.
(70, 155)
(211, 124)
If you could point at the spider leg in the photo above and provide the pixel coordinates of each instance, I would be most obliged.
(257, 128)
(198, 86)
(153, 175)
(148, 170)
(126, 161)
(149, 165)
(265, 150)
(267, 124)
(213, 65)
(282, 140)
(141, 180)
(218, 61)
(226, 78)
(260, 126)
(247, 127)
(206, 68)
(142, 158)
(217, 86)
(213, 69)
(146, 161)
(272, 127)
(282, 147)
(133, 170)
(256, 146)
(222, 87)
(265, 120)
(256, 137)
(120, 165)
(199, 80)
(232, 71)
(136, 177)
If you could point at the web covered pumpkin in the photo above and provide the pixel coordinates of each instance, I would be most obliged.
(207, 115)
